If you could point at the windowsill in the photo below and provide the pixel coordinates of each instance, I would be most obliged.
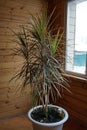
(76, 76)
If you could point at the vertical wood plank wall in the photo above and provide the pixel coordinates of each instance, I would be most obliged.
(13, 13)
(75, 103)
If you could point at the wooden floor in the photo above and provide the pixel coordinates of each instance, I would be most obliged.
(22, 123)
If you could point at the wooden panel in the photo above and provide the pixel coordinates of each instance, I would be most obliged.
(23, 123)
(13, 13)
(75, 103)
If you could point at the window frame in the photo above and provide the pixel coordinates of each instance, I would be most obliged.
(72, 73)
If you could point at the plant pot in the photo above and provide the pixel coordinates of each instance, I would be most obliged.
(48, 126)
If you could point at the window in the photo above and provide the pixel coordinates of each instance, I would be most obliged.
(76, 33)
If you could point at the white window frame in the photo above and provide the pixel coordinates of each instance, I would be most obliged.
(72, 40)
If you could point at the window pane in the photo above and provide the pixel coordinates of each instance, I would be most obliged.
(76, 37)
(80, 62)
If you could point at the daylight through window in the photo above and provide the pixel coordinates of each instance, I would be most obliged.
(76, 41)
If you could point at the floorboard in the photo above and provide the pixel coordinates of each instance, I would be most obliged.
(22, 123)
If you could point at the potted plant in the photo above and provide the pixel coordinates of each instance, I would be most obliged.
(42, 72)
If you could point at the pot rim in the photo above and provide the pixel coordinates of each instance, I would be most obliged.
(49, 124)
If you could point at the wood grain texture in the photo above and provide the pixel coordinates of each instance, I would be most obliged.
(22, 123)
(75, 103)
(13, 14)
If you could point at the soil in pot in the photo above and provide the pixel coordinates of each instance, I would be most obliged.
(53, 115)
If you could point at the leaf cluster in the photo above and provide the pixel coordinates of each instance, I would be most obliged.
(41, 70)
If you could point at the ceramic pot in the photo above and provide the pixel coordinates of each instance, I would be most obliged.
(48, 126)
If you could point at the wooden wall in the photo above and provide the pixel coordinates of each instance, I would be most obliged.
(13, 13)
(59, 23)
(75, 103)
